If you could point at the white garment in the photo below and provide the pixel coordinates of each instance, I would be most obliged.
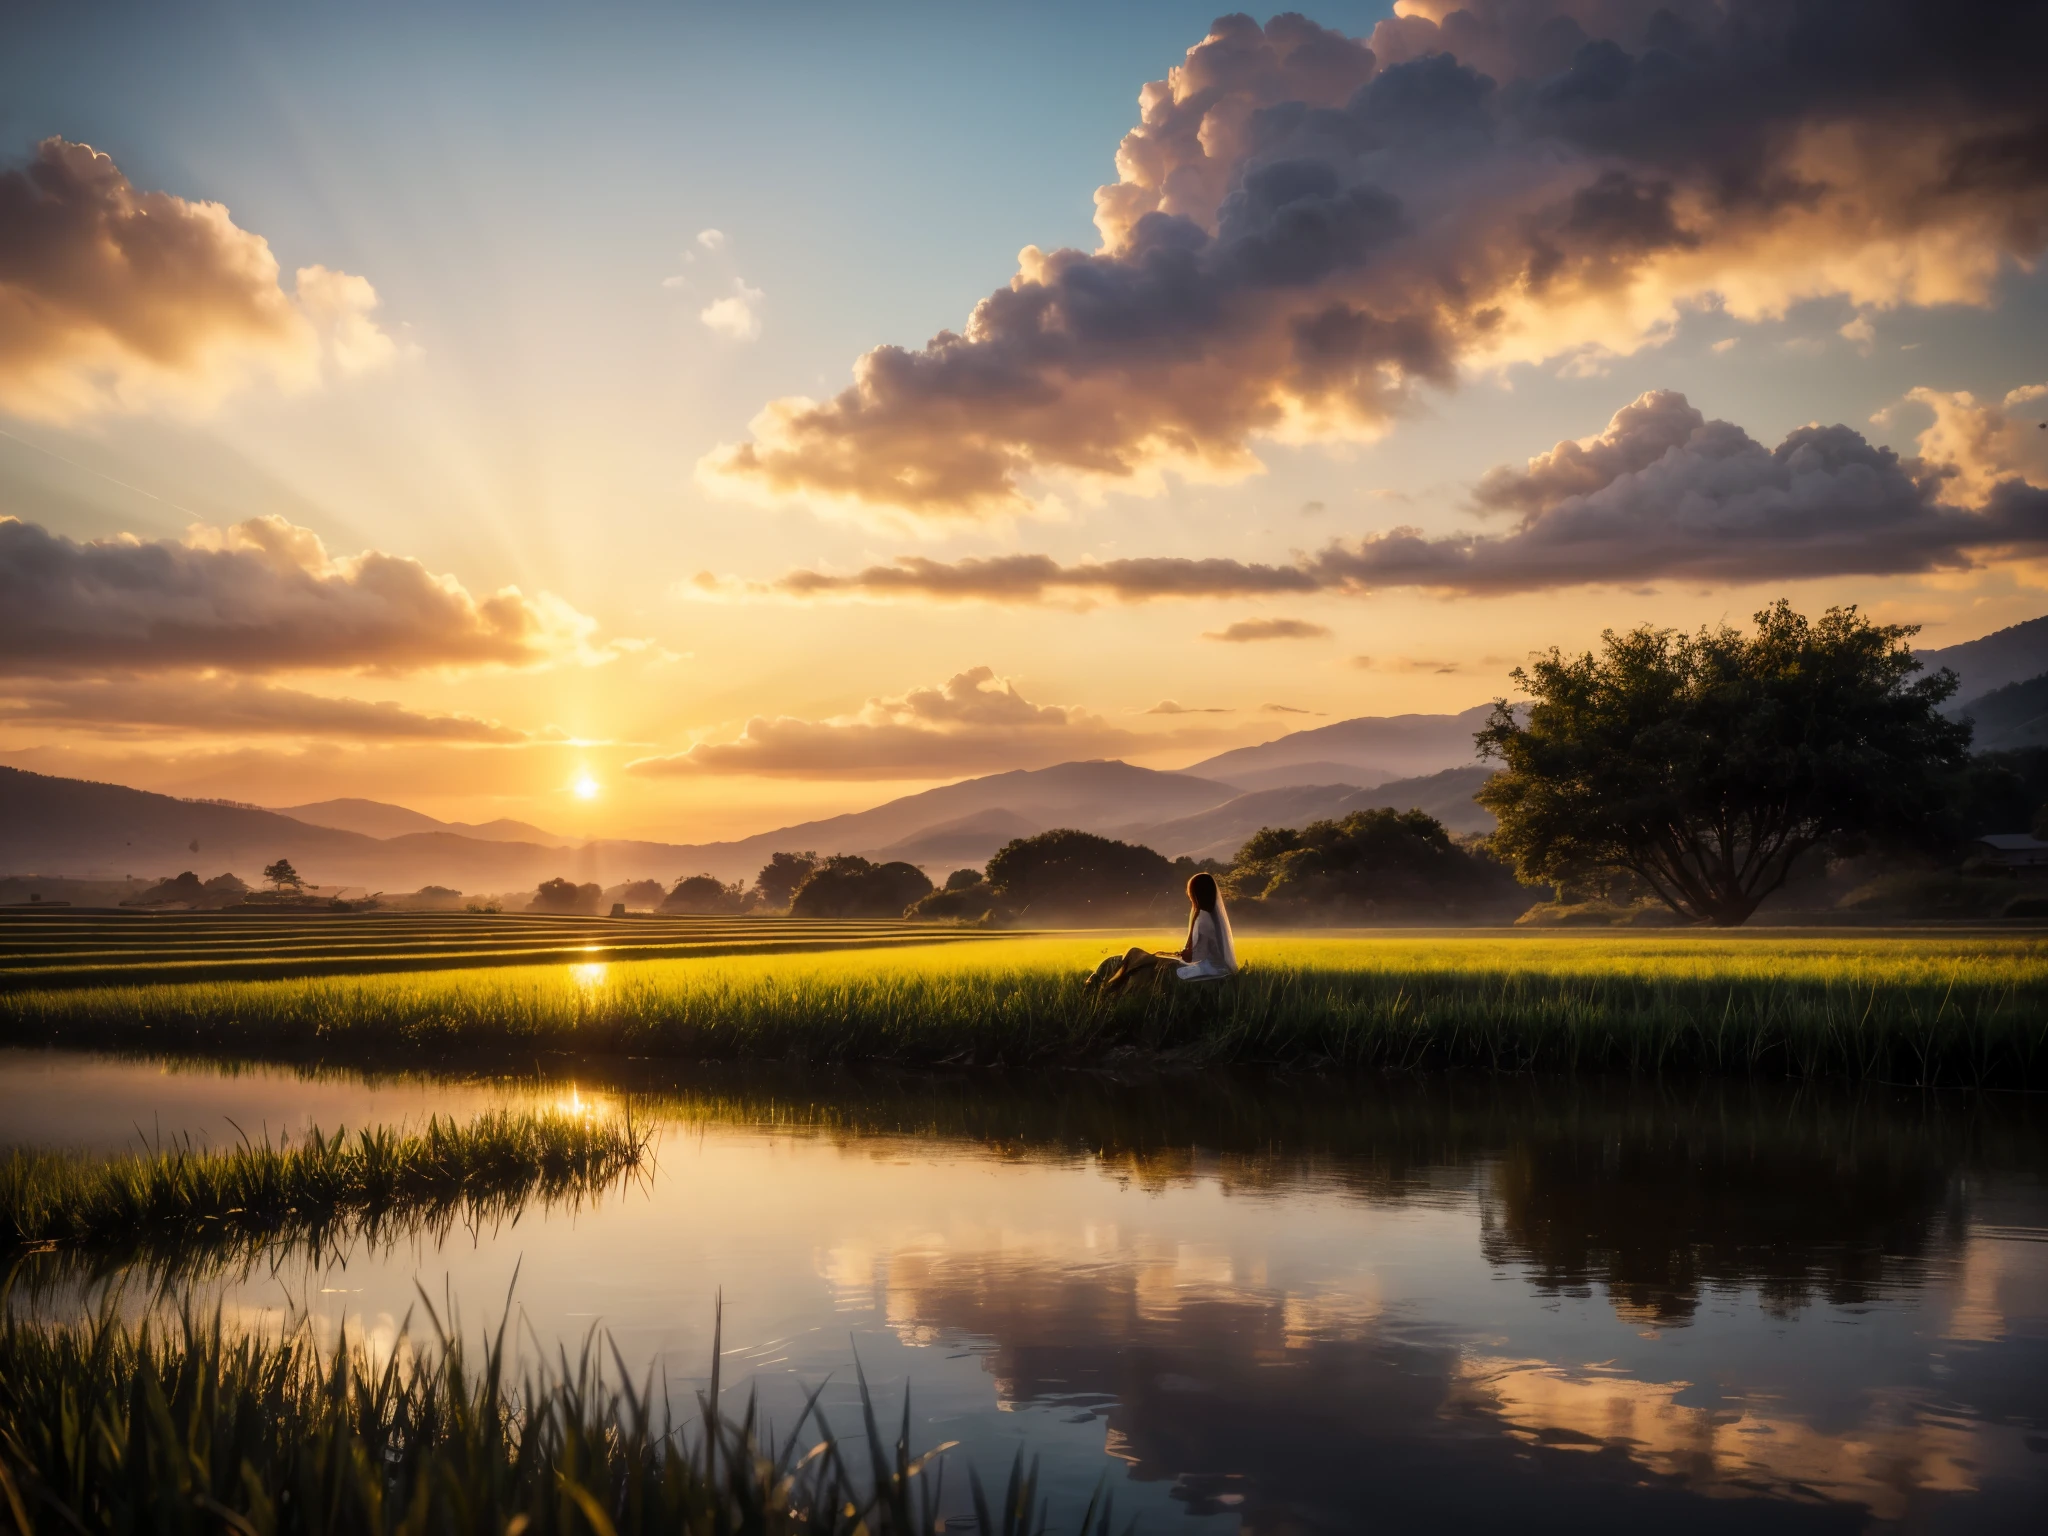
(1212, 952)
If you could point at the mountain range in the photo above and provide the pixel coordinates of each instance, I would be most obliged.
(374, 818)
(51, 826)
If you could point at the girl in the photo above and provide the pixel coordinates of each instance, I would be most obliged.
(1208, 955)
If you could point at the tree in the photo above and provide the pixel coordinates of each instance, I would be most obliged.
(636, 895)
(703, 894)
(955, 904)
(1370, 864)
(1080, 875)
(1707, 765)
(781, 876)
(281, 874)
(964, 879)
(846, 885)
(566, 897)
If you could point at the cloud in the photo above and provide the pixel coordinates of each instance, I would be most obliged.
(1306, 227)
(262, 596)
(1037, 578)
(1245, 630)
(1663, 492)
(973, 722)
(113, 298)
(1170, 707)
(1983, 445)
(711, 239)
(210, 706)
(1407, 664)
(737, 316)
(1287, 709)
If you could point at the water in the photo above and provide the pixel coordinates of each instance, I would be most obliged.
(1286, 1305)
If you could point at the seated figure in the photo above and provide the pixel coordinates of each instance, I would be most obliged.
(1208, 955)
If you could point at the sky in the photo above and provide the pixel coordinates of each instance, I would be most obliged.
(676, 420)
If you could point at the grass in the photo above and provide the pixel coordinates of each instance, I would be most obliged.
(1918, 1009)
(111, 1428)
(179, 1208)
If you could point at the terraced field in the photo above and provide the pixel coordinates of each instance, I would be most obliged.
(63, 948)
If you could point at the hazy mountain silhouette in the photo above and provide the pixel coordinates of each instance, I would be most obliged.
(2011, 655)
(2015, 715)
(374, 818)
(1376, 745)
(70, 827)
(1219, 832)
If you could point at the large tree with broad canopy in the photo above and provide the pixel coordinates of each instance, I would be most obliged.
(1705, 765)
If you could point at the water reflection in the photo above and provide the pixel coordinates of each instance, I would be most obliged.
(1317, 1306)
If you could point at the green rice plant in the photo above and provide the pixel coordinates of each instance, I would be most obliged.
(180, 1207)
(186, 1430)
(1921, 1009)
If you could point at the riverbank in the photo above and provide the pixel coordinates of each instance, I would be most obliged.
(1925, 1009)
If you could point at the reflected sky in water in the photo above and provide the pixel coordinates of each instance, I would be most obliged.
(1291, 1306)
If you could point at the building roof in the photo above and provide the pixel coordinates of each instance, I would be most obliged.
(2013, 842)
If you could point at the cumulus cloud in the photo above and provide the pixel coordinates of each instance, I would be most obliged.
(1246, 630)
(737, 316)
(261, 596)
(1305, 227)
(711, 239)
(114, 298)
(972, 722)
(214, 706)
(1661, 493)
(1984, 444)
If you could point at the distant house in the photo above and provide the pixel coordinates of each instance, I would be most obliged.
(2015, 851)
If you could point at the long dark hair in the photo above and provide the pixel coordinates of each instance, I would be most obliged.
(1202, 890)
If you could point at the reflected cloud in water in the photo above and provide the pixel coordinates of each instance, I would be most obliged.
(1307, 1307)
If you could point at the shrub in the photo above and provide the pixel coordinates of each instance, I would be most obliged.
(703, 894)
(847, 885)
(1372, 864)
(955, 904)
(1078, 876)
(566, 897)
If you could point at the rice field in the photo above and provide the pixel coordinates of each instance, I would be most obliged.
(1918, 1008)
(60, 948)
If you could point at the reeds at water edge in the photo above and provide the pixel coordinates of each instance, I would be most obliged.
(190, 1431)
(179, 1207)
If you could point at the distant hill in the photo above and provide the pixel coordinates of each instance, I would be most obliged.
(1092, 796)
(2008, 656)
(53, 826)
(1375, 745)
(1218, 833)
(1308, 776)
(2013, 716)
(72, 827)
(374, 818)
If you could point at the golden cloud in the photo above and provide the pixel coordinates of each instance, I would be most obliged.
(113, 298)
